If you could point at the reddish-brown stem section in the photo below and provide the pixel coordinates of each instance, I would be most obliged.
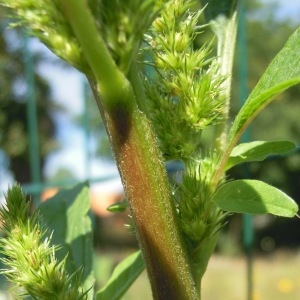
(146, 186)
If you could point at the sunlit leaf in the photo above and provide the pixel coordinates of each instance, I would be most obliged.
(258, 151)
(283, 72)
(254, 197)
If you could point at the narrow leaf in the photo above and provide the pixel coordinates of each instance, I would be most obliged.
(283, 72)
(117, 207)
(67, 215)
(254, 197)
(122, 278)
(258, 151)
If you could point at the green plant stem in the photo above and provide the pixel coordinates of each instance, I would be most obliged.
(114, 87)
(225, 30)
(139, 161)
(205, 254)
(146, 184)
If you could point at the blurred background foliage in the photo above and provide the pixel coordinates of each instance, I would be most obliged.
(13, 93)
(266, 35)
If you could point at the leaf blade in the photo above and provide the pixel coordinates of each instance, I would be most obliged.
(67, 215)
(254, 197)
(123, 276)
(258, 151)
(283, 72)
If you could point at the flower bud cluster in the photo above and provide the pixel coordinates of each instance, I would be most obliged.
(29, 256)
(122, 24)
(185, 95)
(45, 20)
(199, 217)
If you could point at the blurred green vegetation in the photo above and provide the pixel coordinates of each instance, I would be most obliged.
(275, 277)
(14, 134)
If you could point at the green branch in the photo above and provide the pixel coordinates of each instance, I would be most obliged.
(115, 89)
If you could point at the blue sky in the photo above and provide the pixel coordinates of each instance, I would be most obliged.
(287, 9)
(68, 85)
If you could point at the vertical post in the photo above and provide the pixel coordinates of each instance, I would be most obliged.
(34, 153)
(243, 93)
(86, 127)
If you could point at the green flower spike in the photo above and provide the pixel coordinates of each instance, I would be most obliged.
(29, 255)
(184, 95)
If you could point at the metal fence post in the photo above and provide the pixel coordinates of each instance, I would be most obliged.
(243, 93)
(34, 153)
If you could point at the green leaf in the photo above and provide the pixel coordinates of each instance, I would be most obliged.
(67, 215)
(254, 197)
(258, 151)
(283, 72)
(122, 278)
